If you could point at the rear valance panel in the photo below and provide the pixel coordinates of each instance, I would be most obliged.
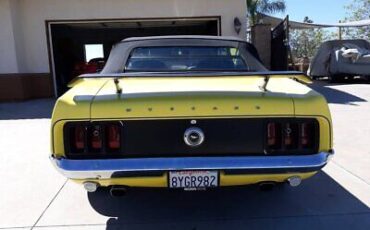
(165, 137)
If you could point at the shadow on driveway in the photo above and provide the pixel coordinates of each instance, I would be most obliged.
(336, 96)
(33, 109)
(319, 203)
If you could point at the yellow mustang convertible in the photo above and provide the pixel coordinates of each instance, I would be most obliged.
(190, 112)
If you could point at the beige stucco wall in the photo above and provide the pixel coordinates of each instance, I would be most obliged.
(8, 58)
(28, 35)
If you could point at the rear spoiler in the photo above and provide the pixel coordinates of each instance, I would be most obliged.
(295, 75)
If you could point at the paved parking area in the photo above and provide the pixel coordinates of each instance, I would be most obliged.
(34, 196)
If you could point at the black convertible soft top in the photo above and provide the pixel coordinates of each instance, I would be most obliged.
(224, 38)
(122, 50)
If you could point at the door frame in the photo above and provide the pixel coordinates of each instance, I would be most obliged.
(49, 38)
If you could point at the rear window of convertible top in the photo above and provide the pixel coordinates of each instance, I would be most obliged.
(185, 58)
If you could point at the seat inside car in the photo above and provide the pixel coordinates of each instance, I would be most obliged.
(146, 65)
(216, 63)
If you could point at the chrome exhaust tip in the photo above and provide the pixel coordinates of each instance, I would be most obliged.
(294, 181)
(91, 186)
(118, 191)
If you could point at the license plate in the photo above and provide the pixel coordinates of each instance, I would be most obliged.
(193, 179)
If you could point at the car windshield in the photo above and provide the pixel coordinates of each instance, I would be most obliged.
(185, 58)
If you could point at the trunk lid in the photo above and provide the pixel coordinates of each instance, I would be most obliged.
(171, 97)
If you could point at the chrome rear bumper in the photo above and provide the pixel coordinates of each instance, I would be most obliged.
(108, 168)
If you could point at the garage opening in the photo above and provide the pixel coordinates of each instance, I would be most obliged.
(83, 47)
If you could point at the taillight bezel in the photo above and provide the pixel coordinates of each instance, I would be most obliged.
(296, 149)
(121, 152)
(89, 151)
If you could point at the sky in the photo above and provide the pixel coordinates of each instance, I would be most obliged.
(320, 11)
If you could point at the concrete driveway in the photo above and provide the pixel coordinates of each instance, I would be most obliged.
(34, 196)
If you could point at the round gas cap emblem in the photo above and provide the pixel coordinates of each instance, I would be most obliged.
(193, 136)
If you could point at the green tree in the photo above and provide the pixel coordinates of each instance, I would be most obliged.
(263, 6)
(305, 42)
(357, 10)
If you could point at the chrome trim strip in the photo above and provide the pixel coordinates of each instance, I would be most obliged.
(193, 74)
(103, 169)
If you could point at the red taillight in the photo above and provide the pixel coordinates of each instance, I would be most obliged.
(79, 137)
(114, 137)
(288, 135)
(88, 139)
(271, 134)
(291, 136)
(305, 134)
(96, 137)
